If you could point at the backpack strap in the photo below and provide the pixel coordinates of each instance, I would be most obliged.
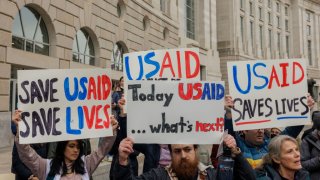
(311, 141)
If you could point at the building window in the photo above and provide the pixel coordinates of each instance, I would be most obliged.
(310, 53)
(261, 38)
(279, 45)
(241, 29)
(165, 33)
(252, 33)
(83, 50)
(269, 3)
(202, 73)
(270, 42)
(286, 11)
(287, 24)
(269, 18)
(278, 21)
(29, 32)
(278, 7)
(146, 23)
(251, 8)
(241, 4)
(164, 6)
(117, 56)
(190, 19)
(121, 8)
(260, 13)
(308, 16)
(287, 46)
(308, 30)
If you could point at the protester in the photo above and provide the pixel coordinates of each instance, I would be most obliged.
(310, 149)
(185, 163)
(151, 151)
(282, 161)
(20, 170)
(254, 144)
(275, 132)
(69, 161)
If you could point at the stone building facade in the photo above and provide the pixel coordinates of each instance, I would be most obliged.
(63, 34)
(270, 29)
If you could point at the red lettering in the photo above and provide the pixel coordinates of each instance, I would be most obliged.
(89, 119)
(284, 74)
(106, 86)
(198, 88)
(99, 88)
(98, 120)
(169, 65)
(188, 95)
(294, 81)
(273, 76)
(106, 123)
(188, 63)
(179, 64)
(92, 88)
(198, 126)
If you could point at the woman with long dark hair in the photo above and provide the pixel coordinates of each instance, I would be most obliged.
(69, 161)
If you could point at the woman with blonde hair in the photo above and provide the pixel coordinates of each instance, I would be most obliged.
(282, 161)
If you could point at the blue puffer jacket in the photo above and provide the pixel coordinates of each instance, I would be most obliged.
(253, 153)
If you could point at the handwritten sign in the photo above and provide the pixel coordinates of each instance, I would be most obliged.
(268, 93)
(162, 64)
(172, 112)
(64, 104)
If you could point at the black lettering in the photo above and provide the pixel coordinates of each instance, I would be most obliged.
(134, 88)
(55, 132)
(236, 110)
(35, 92)
(150, 96)
(302, 100)
(295, 104)
(260, 105)
(277, 107)
(268, 106)
(23, 118)
(52, 90)
(36, 122)
(27, 99)
(283, 105)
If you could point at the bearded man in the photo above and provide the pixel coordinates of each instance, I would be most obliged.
(185, 164)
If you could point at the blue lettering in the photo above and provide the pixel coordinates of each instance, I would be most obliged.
(126, 61)
(235, 79)
(83, 82)
(67, 89)
(220, 91)
(148, 60)
(260, 76)
(68, 123)
(206, 91)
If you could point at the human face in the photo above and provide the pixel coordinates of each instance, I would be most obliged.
(254, 137)
(121, 83)
(184, 161)
(289, 156)
(71, 151)
(274, 132)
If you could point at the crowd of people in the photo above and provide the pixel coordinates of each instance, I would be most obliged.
(264, 154)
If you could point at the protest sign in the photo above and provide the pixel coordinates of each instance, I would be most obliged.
(167, 64)
(268, 93)
(64, 104)
(175, 112)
